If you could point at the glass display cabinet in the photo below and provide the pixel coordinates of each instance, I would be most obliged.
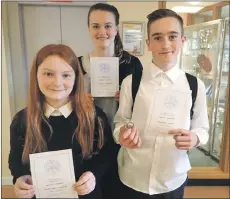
(221, 97)
(206, 56)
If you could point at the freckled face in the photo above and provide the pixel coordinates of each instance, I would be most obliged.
(56, 80)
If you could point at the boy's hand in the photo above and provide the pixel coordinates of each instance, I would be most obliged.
(129, 137)
(185, 139)
(85, 184)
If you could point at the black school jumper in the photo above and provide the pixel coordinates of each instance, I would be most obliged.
(63, 129)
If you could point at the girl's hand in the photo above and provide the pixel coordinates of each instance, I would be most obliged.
(117, 96)
(24, 187)
(85, 184)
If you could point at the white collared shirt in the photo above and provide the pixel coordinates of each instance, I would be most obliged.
(157, 166)
(65, 110)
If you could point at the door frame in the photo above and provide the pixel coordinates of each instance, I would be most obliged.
(12, 22)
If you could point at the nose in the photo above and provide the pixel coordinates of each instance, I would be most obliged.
(102, 30)
(166, 43)
(57, 81)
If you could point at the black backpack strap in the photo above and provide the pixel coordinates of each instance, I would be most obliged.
(192, 81)
(136, 79)
(81, 65)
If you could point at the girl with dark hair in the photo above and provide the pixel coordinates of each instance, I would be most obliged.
(59, 115)
(103, 21)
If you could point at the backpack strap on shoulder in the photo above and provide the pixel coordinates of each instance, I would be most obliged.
(193, 84)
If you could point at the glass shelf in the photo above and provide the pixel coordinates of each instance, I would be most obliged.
(224, 75)
(206, 41)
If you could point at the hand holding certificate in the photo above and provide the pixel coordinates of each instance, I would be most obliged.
(172, 112)
(104, 76)
(53, 174)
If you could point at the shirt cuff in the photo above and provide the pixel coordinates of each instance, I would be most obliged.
(202, 136)
(116, 132)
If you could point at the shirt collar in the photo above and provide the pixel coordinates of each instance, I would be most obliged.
(65, 110)
(172, 74)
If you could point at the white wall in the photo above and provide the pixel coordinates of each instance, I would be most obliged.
(6, 117)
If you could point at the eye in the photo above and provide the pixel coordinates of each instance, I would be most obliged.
(157, 38)
(108, 26)
(95, 26)
(66, 75)
(172, 37)
(48, 74)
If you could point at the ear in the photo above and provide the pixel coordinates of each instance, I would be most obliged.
(183, 38)
(148, 44)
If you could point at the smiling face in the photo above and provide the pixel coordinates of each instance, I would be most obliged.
(165, 42)
(56, 80)
(102, 28)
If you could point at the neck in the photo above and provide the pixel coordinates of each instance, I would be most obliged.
(57, 103)
(165, 67)
(103, 52)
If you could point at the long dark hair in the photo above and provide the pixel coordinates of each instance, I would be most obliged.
(82, 106)
(119, 52)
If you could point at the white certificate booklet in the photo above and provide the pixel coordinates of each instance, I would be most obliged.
(53, 174)
(104, 76)
(170, 109)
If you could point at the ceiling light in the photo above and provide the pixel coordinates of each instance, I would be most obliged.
(186, 9)
(194, 2)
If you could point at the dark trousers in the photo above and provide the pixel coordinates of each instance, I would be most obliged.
(110, 182)
(127, 192)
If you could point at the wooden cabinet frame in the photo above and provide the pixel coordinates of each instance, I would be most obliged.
(161, 4)
(215, 8)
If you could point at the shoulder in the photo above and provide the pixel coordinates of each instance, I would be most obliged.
(136, 62)
(19, 121)
(20, 115)
(131, 62)
(130, 58)
(127, 80)
(200, 85)
(134, 59)
(127, 83)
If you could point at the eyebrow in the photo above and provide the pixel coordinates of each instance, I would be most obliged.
(160, 34)
(98, 23)
(69, 71)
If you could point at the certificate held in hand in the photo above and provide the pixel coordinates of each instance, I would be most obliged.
(53, 174)
(104, 76)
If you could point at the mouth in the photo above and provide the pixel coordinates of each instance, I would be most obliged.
(165, 53)
(102, 38)
(56, 90)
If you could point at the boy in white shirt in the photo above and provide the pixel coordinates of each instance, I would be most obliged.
(153, 163)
